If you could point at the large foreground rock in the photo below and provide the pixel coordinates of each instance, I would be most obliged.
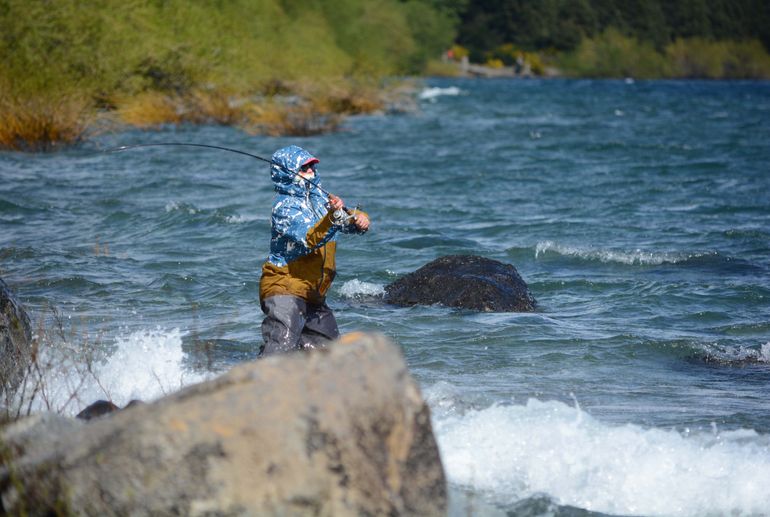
(465, 281)
(15, 341)
(342, 431)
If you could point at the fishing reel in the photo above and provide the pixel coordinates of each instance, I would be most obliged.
(344, 216)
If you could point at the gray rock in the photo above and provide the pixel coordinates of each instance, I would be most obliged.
(341, 431)
(464, 281)
(23, 437)
(15, 342)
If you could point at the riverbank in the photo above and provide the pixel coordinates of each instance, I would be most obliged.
(69, 70)
(45, 123)
(353, 408)
(635, 211)
(612, 54)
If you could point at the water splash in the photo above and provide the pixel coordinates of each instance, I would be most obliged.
(740, 355)
(515, 452)
(242, 219)
(357, 289)
(174, 206)
(432, 93)
(145, 365)
(634, 257)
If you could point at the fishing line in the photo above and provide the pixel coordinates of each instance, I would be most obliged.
(228, 149)
(345, 215)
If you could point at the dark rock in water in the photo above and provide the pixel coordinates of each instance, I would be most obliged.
(15, 341)
(104, 407)
(338, 431)
(97, 409)
(465, 281)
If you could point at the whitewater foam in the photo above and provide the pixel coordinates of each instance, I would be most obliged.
(240, 219)
(513, 452)
(173, 206)
(635, 257)
(432, 93)
(145, 365)
(357, 289)
(735, 354)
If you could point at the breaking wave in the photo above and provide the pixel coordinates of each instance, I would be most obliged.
(433, 93)
(633, 257)
(734, 354)
(357, 289)
(145, 365)
(511, 453)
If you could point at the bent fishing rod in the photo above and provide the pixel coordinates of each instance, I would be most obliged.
(228, 149)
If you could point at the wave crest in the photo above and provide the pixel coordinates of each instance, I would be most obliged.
(145, 365)
(357, 289)
(432, 93)
(734, 354)
(174, 206)
(518, 452)
(636, 257)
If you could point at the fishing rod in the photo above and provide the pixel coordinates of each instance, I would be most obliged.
(295, 174)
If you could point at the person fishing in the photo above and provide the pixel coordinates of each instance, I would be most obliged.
(301, 265)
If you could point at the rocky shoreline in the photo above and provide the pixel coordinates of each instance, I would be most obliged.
(340, 431)
(336, 431)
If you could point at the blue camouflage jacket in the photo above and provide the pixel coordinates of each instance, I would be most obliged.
(303, 233)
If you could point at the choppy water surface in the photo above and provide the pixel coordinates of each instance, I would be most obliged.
(638, 212)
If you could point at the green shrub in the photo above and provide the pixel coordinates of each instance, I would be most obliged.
(183, 60)
(611, 54)
(699, 58)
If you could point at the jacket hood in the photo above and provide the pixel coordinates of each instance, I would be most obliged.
(285, 167)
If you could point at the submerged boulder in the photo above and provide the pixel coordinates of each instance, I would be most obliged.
(15, 341)
(464, 281)
(339, 431)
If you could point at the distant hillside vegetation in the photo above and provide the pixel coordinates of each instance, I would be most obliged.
(296, 66)
(563, 24)
(201, 61)
(643, 38)
(110, 47)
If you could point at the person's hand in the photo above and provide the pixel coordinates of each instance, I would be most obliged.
(361, 221)
(335, 203)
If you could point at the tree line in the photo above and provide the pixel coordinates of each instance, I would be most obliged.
(562, 25)
(120, 47)
(152, 62)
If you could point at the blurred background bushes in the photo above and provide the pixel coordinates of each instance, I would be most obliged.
(64, 64)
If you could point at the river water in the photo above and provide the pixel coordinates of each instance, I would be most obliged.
(637, 212)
